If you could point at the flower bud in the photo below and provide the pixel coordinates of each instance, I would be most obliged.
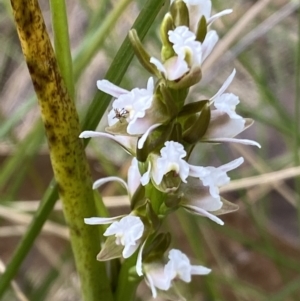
(141, 52)
(201, 30)
(180, 13)
(167, 47)
(193, 134)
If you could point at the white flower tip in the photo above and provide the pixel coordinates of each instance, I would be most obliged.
(85, 134)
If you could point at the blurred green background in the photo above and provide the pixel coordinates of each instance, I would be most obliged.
(256, 255)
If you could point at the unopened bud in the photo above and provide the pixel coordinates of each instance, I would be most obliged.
(167, 47)
(180, 13)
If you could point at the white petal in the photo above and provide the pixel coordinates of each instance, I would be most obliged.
(232, 165)
(129, 250)
(160, 67)
(146, 134)
(152, 287)
(133, 177)
(138, 267)
(199, 270)
(209, 43)
(235, 140)
(202, 212)
(101, 220)
(146, 176)
(110, 88)
(225, 85)
(150, 84)
(129, 143)
(218, 15)
(102, 181)
(175, 68)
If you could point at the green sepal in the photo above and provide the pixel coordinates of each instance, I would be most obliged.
(110, 250)
(192, 108)
(154, 141)
(141, 53)
(155, 250)
(153, 218)
(193, 134)
(167, 50)
(176, 134)
(188, 80)
(179, 96)
(138, 197)
(201, 30)
(168, 100)
(180, 13)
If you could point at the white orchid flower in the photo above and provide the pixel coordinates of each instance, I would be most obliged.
(179, 266)
(189, 52)
(135, 107)
(225, 123)
(214, 177)
(128, 231)
(171, 160)
(155, 277)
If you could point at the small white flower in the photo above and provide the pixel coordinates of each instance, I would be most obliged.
(189, 52)
(171, 159)
(214, 177)
(131, 106)
(225, 123)
(128, 231)
(179, 267)
(156, 278)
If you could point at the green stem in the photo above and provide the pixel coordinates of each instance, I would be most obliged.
(66, 149)
(127, 284)
(62, 43)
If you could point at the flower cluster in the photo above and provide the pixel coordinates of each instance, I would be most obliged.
(159, 129)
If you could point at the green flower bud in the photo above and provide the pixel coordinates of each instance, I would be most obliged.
(180, 13)
(167, 47)
(193, 134)
(201, 30)
(156, 249)
(141, 53)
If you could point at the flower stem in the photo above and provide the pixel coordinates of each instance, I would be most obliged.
(127, 284)
(66, 149)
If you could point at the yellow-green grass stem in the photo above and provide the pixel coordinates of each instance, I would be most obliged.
(66, 149)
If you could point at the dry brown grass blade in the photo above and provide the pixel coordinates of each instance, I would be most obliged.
(24, 218)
